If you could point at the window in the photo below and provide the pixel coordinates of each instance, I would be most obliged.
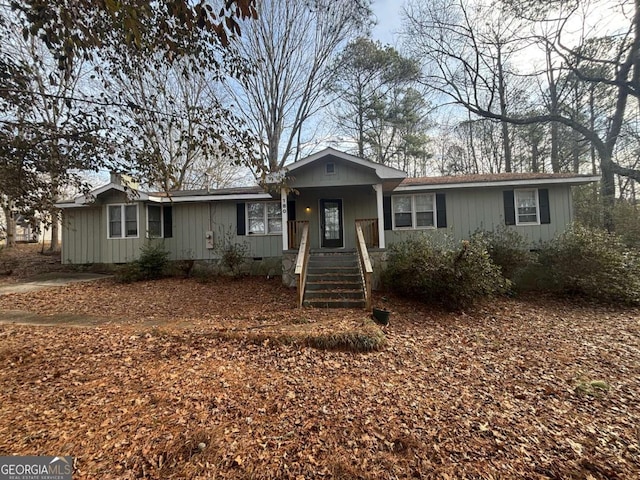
(154, 221)
(123, 221)
(526, 204)
(414, 211)
(264, 218)
(159, 221)
(330, 168)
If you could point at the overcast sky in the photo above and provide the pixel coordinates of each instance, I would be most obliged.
(387, 13)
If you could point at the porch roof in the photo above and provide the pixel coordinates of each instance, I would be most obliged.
(384, 172)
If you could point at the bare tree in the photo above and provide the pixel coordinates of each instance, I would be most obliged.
(184, 137)
(467, 51)
(451, 40)
(290, 48)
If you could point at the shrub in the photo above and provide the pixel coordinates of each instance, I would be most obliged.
(626, 218)
(152, 261)
(150, 265)
(455, 276)
(232, 252)
(591, 262)
(507, 248)
(625, 214)
(179, 268)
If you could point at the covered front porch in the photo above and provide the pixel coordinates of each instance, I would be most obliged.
(328, 243)
(331, 215)
(333, 205)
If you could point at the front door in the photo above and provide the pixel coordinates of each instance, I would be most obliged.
(331, 223)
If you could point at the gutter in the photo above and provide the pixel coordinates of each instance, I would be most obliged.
(504, 183)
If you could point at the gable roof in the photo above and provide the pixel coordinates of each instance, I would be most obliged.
(382, 171)
(495, 180)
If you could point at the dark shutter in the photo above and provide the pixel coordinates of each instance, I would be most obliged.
(241, 219)
(543, 201)
(291, 210)
(167, 214)
(509, 208)
(386, 211)
(441, 210)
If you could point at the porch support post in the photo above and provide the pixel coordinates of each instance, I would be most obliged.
(378, 189)
(285, 219)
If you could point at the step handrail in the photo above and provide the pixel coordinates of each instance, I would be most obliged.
(366, 269)
(302, 262)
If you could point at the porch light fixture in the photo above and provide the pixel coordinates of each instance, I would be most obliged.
(307, 209)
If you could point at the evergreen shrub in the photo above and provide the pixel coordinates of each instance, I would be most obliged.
(507, 249)
(454, 275)
(590, 262)
(150, 265)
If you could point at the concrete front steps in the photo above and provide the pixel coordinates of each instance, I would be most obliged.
(334, 280)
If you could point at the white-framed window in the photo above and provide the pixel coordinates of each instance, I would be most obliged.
(122, 221)
(527, 206)
(159, 221)
(264, 218)
(414, 211)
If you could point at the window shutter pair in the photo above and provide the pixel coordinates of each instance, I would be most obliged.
(510, 207)
(441, 211)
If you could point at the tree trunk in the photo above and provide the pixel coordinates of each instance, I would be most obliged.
(553, 110)
(11, 226)
(534, 156)
(472, 145)
(592, 126)
(360, 126)
(608, 190)
(503, 111)
(575, 152)
(55, 220)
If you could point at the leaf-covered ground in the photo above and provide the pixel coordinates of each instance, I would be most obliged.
(180, 379)
(27, 259)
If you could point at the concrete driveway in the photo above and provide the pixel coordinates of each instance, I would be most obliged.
(49, 280)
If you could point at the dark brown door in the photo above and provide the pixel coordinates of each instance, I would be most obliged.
(331, 223)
